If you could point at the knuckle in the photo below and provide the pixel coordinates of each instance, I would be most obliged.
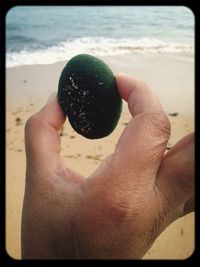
(159, 123)
(32, 127)
(156, 133)
(29, 123)
(120, 212)
(118, 207)
(32, 123)
(109, 209)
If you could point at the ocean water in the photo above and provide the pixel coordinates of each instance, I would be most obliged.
(44, 35)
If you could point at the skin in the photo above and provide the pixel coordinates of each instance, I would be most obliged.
(120, 209)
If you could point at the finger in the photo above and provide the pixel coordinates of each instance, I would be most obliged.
(41, 131)
(144, 140)
(176, 175)
(137, 93)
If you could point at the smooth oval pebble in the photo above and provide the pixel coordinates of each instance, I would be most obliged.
(88, 95)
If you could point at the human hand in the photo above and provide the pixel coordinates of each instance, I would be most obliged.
(120, 209)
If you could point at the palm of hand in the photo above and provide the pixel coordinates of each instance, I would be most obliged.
(121, 208)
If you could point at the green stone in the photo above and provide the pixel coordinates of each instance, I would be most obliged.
(88, 96)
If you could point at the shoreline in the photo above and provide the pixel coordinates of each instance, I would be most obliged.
(183, 55)
(165, 73)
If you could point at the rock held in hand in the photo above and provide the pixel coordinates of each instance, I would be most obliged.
(88, 95)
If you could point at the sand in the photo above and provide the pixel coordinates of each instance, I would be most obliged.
(27, 89)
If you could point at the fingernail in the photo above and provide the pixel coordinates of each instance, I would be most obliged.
(121, 74)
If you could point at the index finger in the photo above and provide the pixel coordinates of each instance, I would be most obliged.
(143, 142)
(138, 94)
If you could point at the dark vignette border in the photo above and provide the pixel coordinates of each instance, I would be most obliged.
(5, 6)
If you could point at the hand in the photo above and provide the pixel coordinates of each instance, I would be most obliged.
(118, 211)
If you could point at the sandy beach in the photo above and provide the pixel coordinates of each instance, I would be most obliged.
(27, 90)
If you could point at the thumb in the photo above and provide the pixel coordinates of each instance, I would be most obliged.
(143, 142)
(41, 132)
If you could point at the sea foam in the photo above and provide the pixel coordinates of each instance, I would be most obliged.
(98, 46)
